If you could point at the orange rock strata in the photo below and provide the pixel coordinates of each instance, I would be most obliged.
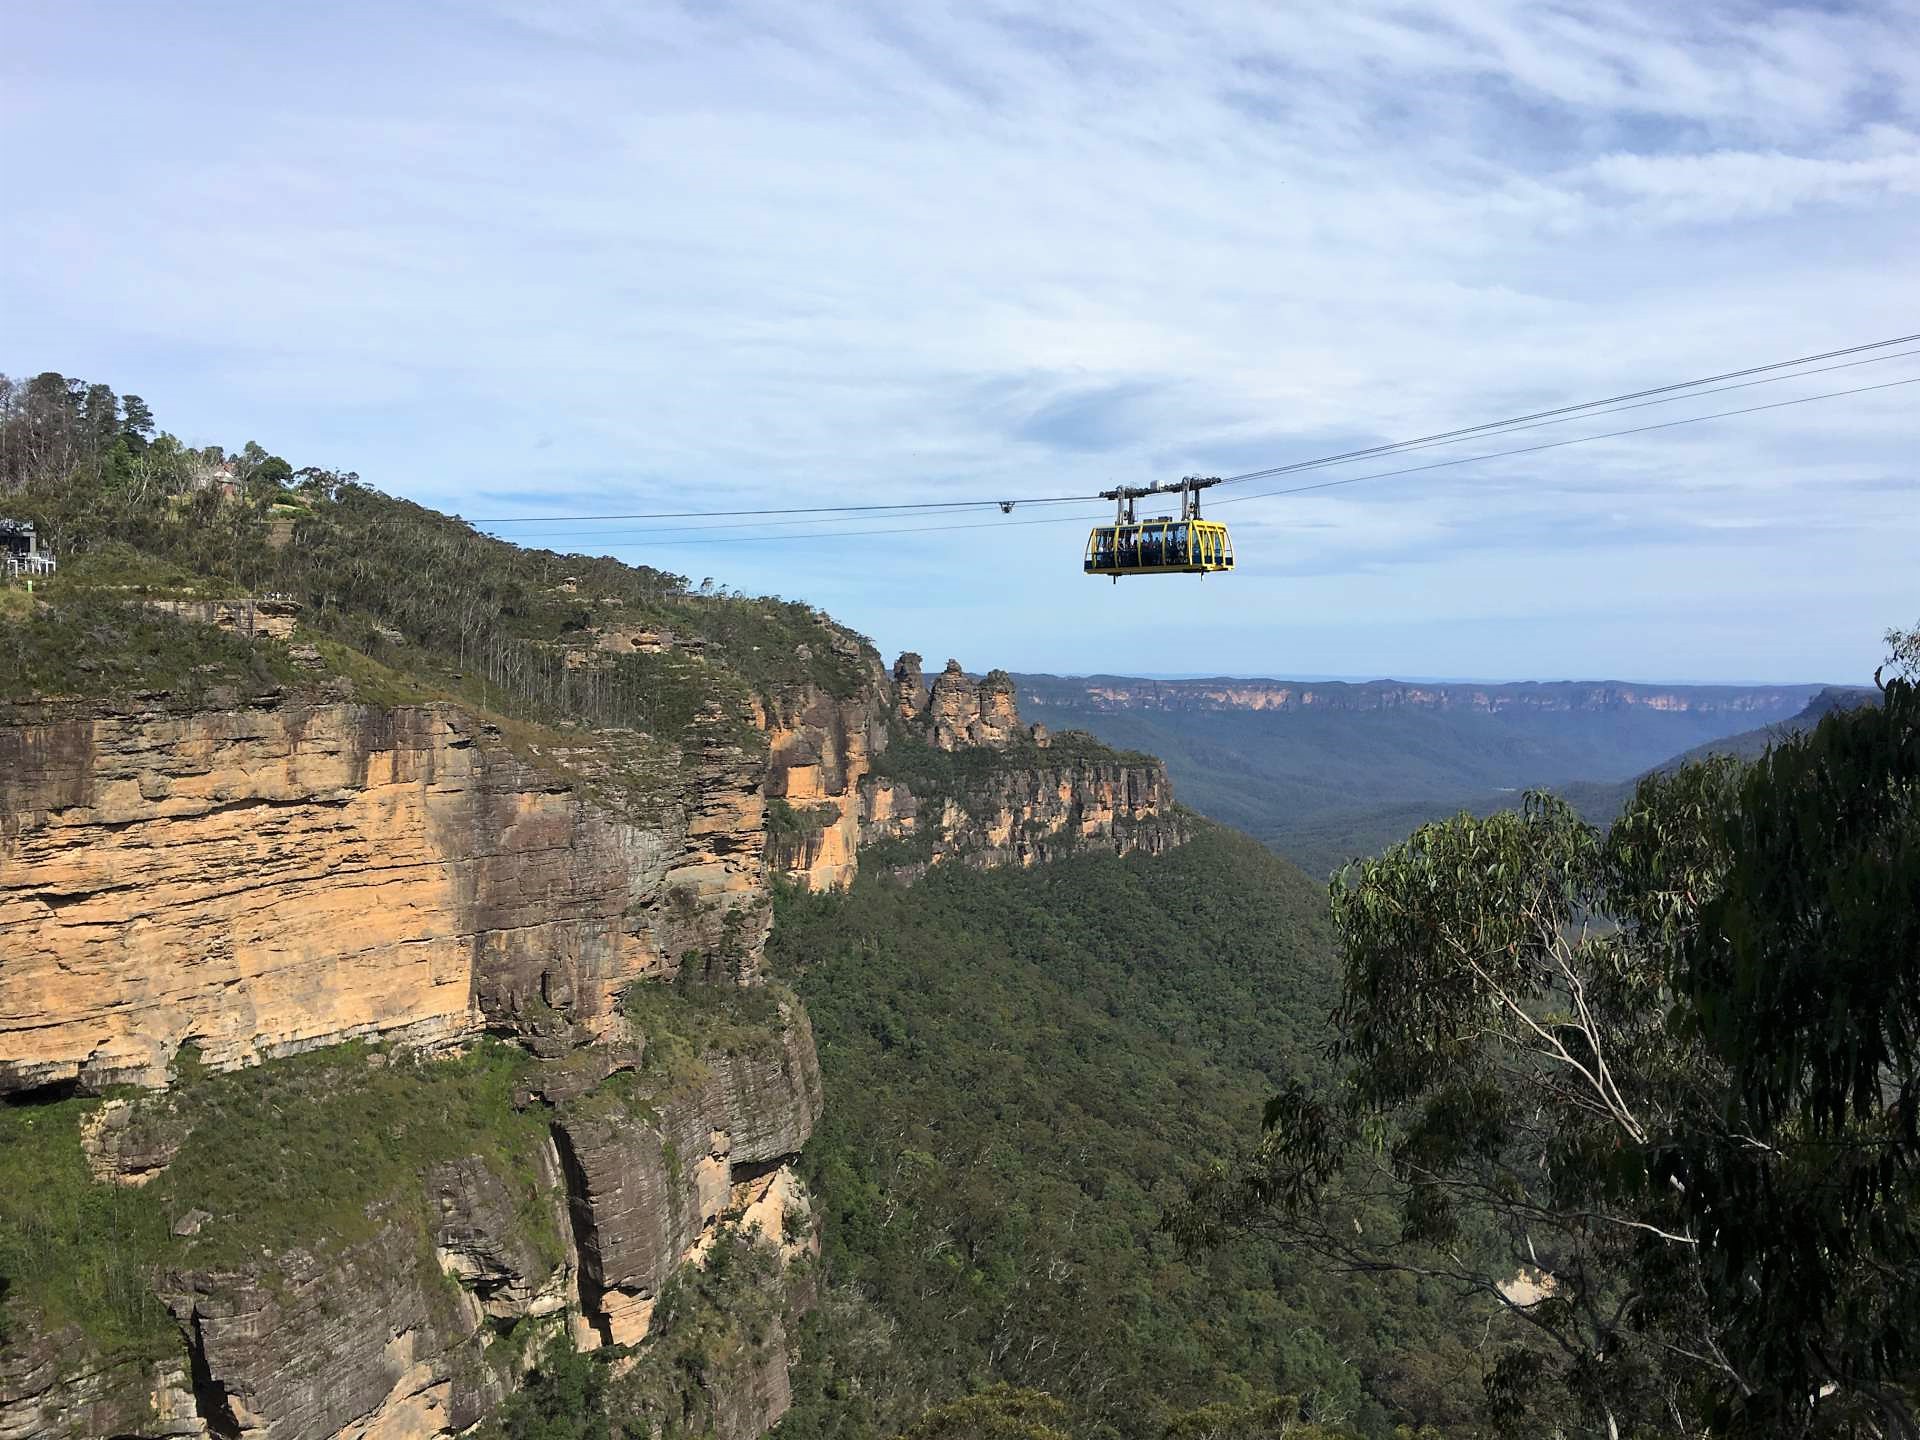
(266, 880)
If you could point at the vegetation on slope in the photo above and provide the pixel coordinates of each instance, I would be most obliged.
(312, 1152)
(1673, 1068)
(1601, 801)
(1025, 1068)
(131, 514)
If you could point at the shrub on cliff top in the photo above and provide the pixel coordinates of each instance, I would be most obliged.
(90, 644)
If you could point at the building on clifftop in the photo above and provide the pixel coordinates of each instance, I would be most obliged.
(21, 552)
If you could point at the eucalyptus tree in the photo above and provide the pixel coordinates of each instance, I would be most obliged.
(1650, 1093)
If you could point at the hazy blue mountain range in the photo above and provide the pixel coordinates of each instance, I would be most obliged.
(1602, 800)
(1326, 770)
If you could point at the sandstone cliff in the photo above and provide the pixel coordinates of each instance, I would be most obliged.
(419, 1319)
(1025, 814)
(966, 780)
(260, 881)
(189, 890)
(418, 900)
(820, 749)
(196, 890)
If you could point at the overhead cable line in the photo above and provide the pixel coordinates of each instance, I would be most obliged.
(904, 508)
(848, 534)
(1405, 447)
(1575, 440)
(796, 510)
(1320, 485)
(1514, 427)
(1568, 410)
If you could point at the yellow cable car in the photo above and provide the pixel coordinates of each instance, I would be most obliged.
(1161, 545)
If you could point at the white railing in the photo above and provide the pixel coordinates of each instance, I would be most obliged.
(27, 564)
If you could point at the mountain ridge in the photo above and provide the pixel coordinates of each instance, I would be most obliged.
(1278, 693)
(1324, 771)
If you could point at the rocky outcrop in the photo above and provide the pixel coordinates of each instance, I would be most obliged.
(751, 1392)
(960, 713)
(361, 1343)
(419, 1328)
(262, 880)
(223, 886)
(1011, 794)
(1016, 799)
(819, 748)
(482, 1240)
(909, 688)
(44, 1392)
(643, 1195)
(640, 1194)
(271, 616)
(768, 1094)
(997, 722)
(126, 1146)
(1027, 815)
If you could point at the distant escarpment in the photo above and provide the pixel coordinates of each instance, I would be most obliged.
(1118, 692)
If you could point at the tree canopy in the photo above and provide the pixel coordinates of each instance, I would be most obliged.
(1650, 1093)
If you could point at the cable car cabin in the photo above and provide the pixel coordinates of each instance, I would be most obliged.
(1162, 545)
(1159, 547)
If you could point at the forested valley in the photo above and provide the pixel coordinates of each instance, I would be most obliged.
(1028, 1070)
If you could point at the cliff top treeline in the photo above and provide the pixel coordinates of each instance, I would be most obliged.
(133, 513)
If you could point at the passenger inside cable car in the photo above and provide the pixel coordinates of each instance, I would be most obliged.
(1159, 547)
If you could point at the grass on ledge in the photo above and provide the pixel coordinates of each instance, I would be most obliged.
(314, 1151)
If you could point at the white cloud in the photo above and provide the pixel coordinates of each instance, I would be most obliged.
(1742, 185)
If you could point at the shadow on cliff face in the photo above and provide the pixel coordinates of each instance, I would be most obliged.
(210, 1399)
(51, 1093)
(586, 1238)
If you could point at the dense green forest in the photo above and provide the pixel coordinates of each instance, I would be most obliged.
(1025, 1069)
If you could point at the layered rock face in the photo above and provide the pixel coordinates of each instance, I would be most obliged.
(51, 1385)
(261, 881)
(643, 1196)
(360, 1343)
(1015, 797)
(281, 877)
(1028, 816)
(399, 1336)
(959, 713)
(819, 750)
(275, 877)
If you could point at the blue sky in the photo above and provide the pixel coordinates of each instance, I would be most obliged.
(535, 258)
